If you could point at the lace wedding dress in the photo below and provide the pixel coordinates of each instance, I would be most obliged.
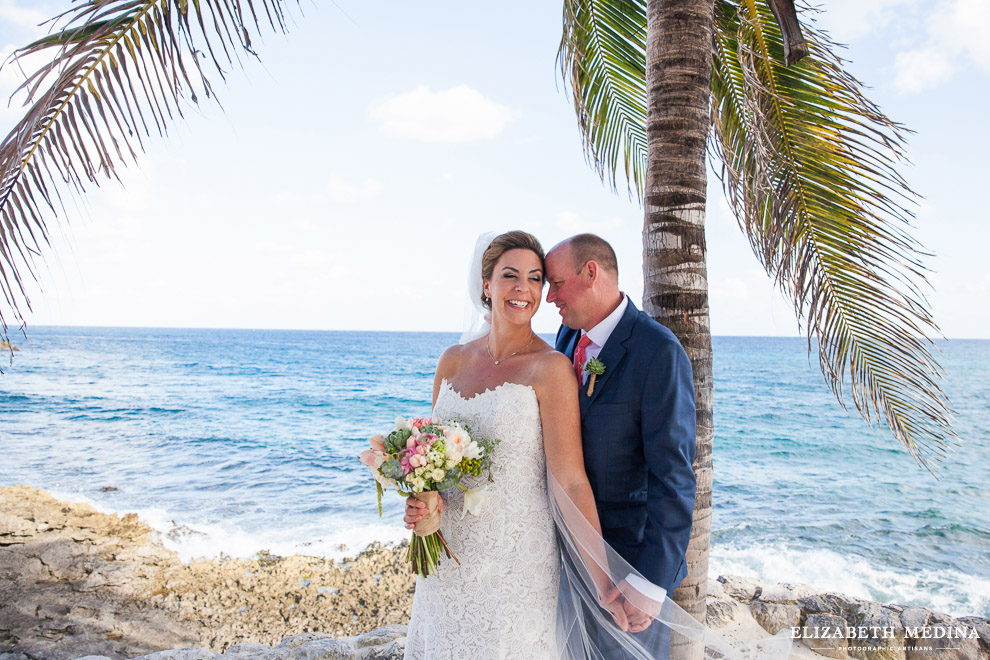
(501, 602)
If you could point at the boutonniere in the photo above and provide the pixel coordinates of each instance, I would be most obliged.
(596, 368)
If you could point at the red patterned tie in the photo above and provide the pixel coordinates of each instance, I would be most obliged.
(580, 355)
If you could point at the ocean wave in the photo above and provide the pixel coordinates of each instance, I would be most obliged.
(942, 590)
(195, 540)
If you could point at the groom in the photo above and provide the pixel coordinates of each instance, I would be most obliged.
(638, 422)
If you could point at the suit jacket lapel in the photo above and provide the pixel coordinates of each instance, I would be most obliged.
(571, 342)
(612, 353)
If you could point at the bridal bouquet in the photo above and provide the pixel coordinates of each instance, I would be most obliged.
(421, 457)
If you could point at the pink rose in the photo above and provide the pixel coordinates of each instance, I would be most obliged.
(411, 442)
(377, 443)
(368, 457)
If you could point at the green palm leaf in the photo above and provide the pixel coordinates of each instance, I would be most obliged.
(115, 71)
(809, 165)
(603, 57)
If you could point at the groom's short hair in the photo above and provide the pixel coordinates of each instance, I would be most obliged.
(590, 247)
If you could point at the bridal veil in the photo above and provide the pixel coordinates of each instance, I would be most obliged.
(585, 629)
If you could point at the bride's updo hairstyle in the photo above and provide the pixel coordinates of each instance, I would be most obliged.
(510, 240)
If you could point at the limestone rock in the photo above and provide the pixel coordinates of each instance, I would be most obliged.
(381, 635)
(942, 643)
(720, 612)
(774, 617)
(298, 640)
(880, 634)
(247, 648)
(179, 654)
(982, 627)
(821, 638)
(78, 582)
(786, 593)
(324, 649)
(740, 588)
(915, 617)
(715, 589)
(828, 603)
(393, 651)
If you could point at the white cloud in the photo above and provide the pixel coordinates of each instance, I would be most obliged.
(922, 69)
(10, 12)
(979, 286)
(346, 192)
(460, 114)
(731, 288)
(573, 223)
(956, 35)
(569, 221)
(847, 20)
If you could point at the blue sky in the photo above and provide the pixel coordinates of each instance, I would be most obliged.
(347, 176)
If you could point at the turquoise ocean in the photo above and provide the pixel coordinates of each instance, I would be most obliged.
(233, 441)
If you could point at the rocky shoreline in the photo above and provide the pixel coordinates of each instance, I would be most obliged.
(75, 582)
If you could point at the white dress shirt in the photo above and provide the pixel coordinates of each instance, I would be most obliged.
(600, 334)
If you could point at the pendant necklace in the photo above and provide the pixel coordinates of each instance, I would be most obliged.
(497, 362)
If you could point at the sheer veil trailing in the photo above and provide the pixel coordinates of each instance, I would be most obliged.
(477, 319)
(585, 629)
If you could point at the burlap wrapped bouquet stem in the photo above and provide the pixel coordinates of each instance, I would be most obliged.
(427, 541)
(430, 523)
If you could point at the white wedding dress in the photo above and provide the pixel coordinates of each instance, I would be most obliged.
(501, 602)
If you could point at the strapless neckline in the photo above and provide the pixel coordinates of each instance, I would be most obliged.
(488, 390)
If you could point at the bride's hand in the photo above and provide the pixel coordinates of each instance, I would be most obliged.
(415, 510)
(614, 605)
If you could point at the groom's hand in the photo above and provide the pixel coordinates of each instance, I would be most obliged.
(613, 603)
(416, 511)
(639, 609)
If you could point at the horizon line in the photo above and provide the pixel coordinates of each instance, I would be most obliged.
(20, 330)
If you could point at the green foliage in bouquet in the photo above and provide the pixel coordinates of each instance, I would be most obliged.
(396, 442)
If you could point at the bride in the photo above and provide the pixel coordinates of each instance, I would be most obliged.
(512, 386)
(508, 598)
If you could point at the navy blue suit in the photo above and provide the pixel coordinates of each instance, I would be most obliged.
(638, 429)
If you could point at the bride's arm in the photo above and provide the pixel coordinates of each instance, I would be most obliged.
(560, 415)
(446, 366)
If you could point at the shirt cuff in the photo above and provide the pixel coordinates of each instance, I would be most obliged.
(647, 588)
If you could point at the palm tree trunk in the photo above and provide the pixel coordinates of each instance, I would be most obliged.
(678, 67)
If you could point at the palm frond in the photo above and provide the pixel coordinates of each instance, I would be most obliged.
(810, 170)
(114, 72)
(602, 56)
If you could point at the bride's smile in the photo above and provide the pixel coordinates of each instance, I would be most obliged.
(516, 286)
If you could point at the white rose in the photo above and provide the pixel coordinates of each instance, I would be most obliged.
(438, 475)
(456, 438)
(473, 451)
(401, 423)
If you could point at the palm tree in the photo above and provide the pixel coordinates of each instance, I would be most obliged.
(807, 161)
(809, 166)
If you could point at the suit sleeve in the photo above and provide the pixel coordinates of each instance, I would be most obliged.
(668, 428)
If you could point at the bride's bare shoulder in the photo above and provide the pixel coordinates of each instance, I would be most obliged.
(457, 355)
(553, 368)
